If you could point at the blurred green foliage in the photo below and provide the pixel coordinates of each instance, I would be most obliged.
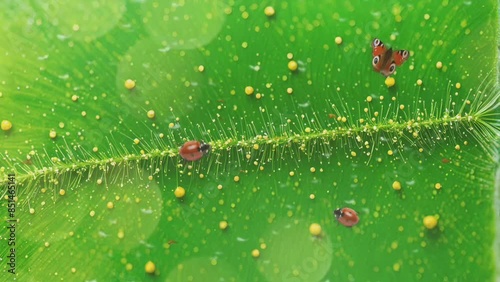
(96, 202)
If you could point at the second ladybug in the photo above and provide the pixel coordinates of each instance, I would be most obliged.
(194, 150)
(346, 216)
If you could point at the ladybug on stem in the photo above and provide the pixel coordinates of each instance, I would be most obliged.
(194, 150)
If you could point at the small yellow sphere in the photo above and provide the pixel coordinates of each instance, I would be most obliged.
(6, 125)
(269, 11)
(52, 134)
(249, 90)
(223, 225)
(338, 40)
(430, 221)
(150, 267)
(292, 65)
(315, 229)
(129, 84)
(390, 81)
(179, 192)
(439, 65)
(255, 253)
(151, 114)
(396, 185)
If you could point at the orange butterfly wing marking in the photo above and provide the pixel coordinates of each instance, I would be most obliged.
(385, 60)
(379, 51)
(400, 56)
(378, 47)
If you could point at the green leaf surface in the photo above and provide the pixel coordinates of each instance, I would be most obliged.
(96, 164)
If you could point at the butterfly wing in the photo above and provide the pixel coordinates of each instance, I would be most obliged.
(378, 53)
(400, 56)
(396, 58)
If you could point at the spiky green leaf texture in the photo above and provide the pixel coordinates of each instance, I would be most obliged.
(95, 169)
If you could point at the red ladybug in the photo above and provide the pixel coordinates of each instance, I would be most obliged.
(193, 150)
(346, 216)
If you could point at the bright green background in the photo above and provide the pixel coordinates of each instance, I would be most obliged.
(52, 51)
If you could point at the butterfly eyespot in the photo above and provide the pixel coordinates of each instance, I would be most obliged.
(405, 54)
(376, 59)
(392, 68)
(376, 42)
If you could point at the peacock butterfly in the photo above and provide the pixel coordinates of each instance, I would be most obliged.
(385, 60)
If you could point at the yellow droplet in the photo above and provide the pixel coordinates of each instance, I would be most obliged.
(315, 229)
(353, 153)
(439, 65)
(255, 253)
(53, 134)
(179, 192)
(150, 267)
(74, 98)
(223, 225)
(430, 221)
(312, 196)
(338, 40)
(6, 125)
(249, 90)
(396, 185)
(137, 141)
(369, 99)
(62, 192)
(458, 85)
(236, 178)
(390, 152)
(151, 114)
(292, 65)
(120, 234)
(269, 11)
(312, 169)
(289, 90)
(110, 205)
(390, 81)
(307, 130)
(419, 82)
(129, 84)
(438, 186)
(201, 68)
